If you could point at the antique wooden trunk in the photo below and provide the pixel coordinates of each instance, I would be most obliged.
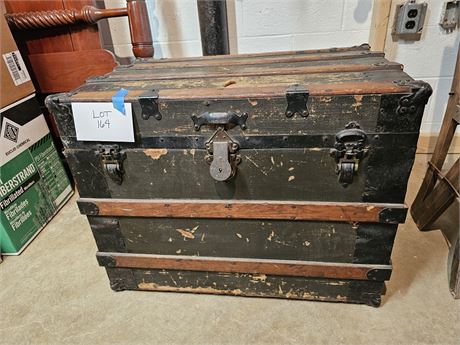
(277, 175)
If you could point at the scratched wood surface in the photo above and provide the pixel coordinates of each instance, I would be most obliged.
(241, 209)
(257, 56)
(283, 267)
(254, 59)
(327, 115)
(249, 285)
(265, 239)
(281, 67)
(291, 174)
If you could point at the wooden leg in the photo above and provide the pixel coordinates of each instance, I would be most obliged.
(421, 206)
(454, 278)
(139, 26)
(439, 199)
(449, 222)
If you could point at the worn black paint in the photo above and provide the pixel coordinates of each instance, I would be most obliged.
(89, 175)
(88, 208)
(312, 170)
(251, 285)
(393, 215)
(374, 243)
(251, 141)
(364, 243)
(107, 233)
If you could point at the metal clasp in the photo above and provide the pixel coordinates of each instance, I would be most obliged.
(227, 119)
(222, 155)
(349, 150)
(112, 161)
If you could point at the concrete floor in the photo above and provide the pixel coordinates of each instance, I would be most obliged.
(55, 293)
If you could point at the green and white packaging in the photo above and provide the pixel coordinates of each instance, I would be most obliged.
(33, 182)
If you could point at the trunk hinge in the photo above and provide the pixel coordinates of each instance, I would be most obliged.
(409, 104)
(112, 161)
(349, 150)
(149, 105)
(297, 98)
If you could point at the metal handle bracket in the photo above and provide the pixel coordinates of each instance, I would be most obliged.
(228, 119)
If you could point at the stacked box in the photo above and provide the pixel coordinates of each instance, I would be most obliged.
(33, 182)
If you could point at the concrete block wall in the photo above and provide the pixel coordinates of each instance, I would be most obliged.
(254, 26)
(271, 25)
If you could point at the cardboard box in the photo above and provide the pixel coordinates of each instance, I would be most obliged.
(33, 182)
(14, 78)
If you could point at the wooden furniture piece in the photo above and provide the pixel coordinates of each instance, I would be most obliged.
(439, 189)
(62, 43)
(274, 175)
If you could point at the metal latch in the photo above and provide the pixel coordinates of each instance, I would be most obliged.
(349, 150)
(222, 149)
(112, 161)
(297, 98)
(222, 155)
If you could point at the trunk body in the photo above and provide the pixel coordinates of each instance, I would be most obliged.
(277, 174)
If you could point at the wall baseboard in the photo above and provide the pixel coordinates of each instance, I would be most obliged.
(427, 141)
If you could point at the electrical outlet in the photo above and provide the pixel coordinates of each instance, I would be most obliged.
(450, 15)
(409, 18)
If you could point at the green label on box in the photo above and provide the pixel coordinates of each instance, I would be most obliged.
(33, 185)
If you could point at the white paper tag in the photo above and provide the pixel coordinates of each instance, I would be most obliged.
(16, 67)
(102, 122)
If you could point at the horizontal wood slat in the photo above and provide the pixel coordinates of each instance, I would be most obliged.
(362, 47)
(245, 209)
(239, 265)
(235, 92)
(280, 91)
(247, 61)
(190, 74)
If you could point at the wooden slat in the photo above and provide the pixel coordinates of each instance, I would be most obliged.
(132, 70)
(280, 91)
(240, 265)
(363, 47)
(241, 209)
(225, 72)
(422, 205)
(440, 198)
(236, 92)
(238, 61)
